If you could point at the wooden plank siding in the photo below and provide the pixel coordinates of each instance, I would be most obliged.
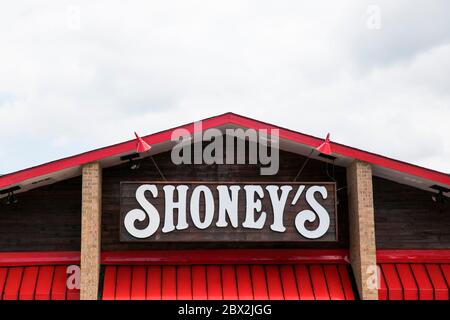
(44, 219)
(49, 218)
(407, 218)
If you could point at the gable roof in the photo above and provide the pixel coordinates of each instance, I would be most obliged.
(383, 166)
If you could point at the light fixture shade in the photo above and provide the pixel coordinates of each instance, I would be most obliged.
(325, 147)
(141, 145)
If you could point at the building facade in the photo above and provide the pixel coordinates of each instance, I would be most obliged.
(115, 223)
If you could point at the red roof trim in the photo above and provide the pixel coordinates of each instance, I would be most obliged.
(413, 256)
(348, 151)
(128, 146)
(98, 154)
(15, 259)
(12, 259)
(225, 256)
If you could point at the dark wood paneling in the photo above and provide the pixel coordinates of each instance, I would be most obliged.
(46, 218)
(407, 218)
(289, 165)
(49, 218)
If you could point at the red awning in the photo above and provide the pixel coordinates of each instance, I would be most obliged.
(414, 281)
(35, 283)
(228, 282)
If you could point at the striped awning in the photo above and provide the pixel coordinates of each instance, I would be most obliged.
(35, 283)
(414, 281)
(228, 282)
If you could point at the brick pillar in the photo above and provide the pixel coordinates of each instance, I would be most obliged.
(91, 230)
(362, 228)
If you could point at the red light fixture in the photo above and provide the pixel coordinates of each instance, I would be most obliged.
(141, 145)
(325, 147)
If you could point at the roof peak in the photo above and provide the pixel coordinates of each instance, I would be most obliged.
(215, 121)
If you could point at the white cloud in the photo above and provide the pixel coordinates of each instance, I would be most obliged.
(150, 66)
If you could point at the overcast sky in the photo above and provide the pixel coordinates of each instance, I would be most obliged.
(78, 75)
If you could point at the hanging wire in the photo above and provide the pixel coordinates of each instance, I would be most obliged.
(303, 165)
(332, 176)
(157, 168)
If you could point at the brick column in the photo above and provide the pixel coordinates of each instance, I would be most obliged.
(362, 228)
(91, 230)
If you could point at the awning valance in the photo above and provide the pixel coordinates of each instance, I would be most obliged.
(35, 283)
(228, 282)
(414, 281)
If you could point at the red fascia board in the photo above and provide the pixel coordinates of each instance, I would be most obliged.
(413, 256)
(225, 256)
(179, 257)
(22, 259)
(227, 118)
(346, 151)
(102, 153)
